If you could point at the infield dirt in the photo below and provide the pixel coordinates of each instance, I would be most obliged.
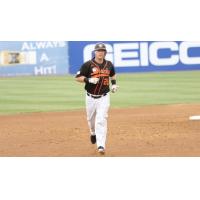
(146, 131)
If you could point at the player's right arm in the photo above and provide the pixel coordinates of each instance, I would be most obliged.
(83, 79)
(80, 79)
(83, 74)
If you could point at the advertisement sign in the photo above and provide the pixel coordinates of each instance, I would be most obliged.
(141, 56)
(33, 58)
(40, 58)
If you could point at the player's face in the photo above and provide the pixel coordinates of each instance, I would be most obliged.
(100, 54)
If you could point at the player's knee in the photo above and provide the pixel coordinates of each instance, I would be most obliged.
(101, 121)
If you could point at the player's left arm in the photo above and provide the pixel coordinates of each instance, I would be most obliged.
(114, 86)
(113, 77)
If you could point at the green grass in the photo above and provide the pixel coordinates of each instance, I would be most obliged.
(158, 88)
(40, 94)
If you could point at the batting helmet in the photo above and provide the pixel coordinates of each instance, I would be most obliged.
(100, 46)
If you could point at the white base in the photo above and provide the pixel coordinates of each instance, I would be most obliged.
(197, 117)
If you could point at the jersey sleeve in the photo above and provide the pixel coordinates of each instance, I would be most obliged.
(112, 70)
(84, 70)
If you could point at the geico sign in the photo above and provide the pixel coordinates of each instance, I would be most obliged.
(145, 54)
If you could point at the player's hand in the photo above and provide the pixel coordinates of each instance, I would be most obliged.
(114, 88)
(93, 80)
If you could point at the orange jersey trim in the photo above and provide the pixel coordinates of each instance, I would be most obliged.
(100, 75)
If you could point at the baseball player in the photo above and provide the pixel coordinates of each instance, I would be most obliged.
(96, 74)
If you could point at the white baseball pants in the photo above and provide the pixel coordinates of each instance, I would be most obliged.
(97, 114)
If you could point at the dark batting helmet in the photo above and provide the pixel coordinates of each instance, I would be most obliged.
(100, 46)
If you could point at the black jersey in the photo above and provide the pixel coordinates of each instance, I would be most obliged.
(92, 69)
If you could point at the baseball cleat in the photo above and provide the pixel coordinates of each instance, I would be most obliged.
(93, 139)
(101, 150)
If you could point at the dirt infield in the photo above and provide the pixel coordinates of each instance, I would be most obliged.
(146, 131)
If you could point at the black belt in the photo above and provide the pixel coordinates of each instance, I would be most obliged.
(96, 96)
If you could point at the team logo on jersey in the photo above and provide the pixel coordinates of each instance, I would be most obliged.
(94, 69)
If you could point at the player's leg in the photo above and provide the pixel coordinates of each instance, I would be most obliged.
(91, 116)
(101, 120)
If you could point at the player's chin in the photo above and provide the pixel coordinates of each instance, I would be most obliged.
(101, 57)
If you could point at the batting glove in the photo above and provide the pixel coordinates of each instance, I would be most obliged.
(93, 80)
(114, 88)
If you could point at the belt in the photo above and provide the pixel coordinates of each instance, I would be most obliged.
(96, 96)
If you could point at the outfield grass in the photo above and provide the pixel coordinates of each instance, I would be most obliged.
(39, 94)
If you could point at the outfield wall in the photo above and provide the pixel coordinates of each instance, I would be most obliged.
(33, 58)
(140, 56)
(61, 57)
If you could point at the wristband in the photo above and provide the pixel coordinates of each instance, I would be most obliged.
(113, 82)
(86, 80)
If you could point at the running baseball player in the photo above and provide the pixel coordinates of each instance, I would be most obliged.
(96, 74)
